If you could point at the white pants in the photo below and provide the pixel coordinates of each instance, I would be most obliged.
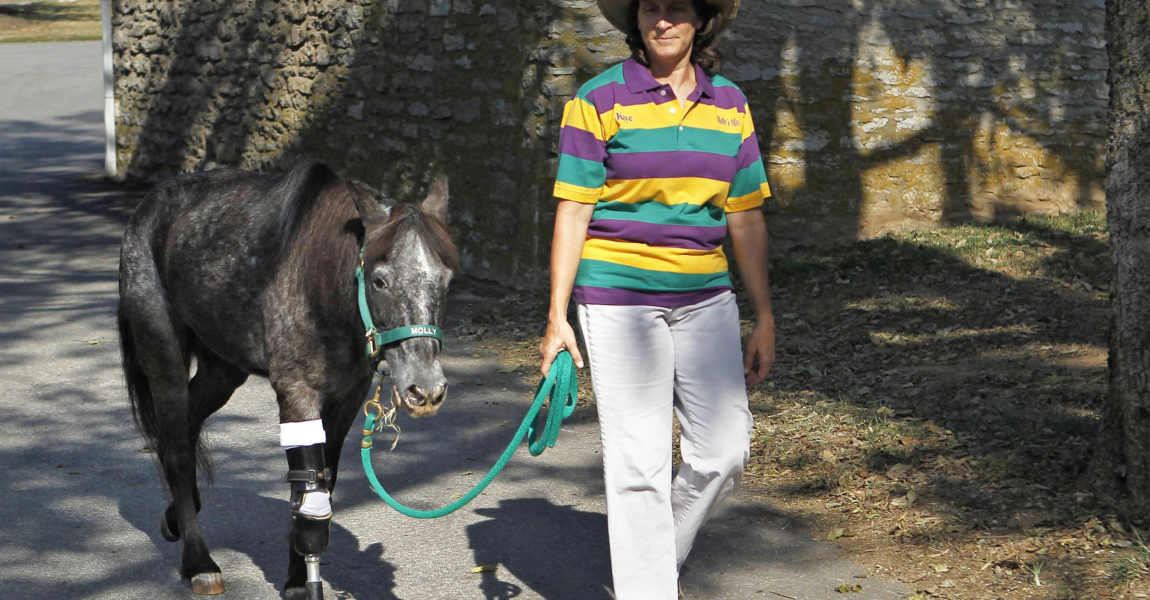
(646, 360)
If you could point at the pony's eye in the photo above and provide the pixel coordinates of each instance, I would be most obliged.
(378, 282)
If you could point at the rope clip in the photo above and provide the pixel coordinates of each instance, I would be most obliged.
(381, 419)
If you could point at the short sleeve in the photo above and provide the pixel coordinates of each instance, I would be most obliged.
(582, 153)
(749, 187)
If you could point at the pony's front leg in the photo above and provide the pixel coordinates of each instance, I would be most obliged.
(304, 442)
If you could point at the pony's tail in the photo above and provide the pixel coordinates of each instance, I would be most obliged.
(139, 392)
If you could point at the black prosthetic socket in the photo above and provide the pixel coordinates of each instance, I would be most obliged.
(307, 473)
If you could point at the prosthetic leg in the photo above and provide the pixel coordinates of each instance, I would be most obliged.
(310, 502)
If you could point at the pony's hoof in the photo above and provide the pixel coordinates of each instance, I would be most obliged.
(208, 584)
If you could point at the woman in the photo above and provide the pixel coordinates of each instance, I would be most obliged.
(658, 162)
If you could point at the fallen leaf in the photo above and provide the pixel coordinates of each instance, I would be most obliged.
(897, 471)
(904, 501)
(835, 534)
(485, 569)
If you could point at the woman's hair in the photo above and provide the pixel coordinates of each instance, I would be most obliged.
(704, 52)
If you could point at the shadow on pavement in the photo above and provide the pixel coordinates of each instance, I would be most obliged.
(348, 568)
(558, 552)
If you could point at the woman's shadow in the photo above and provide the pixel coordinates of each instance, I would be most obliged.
(558, 552)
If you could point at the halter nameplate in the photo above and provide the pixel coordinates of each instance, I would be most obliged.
(377, 339)
(399, 334)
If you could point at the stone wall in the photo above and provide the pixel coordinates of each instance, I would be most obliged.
(874, 114)
(879, 114)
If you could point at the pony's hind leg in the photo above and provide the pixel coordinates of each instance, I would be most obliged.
(160, 349)
(211, 387)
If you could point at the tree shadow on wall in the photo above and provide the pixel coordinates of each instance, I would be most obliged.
(387, 93)
(982, 91)
(204, 73)
(846, 96)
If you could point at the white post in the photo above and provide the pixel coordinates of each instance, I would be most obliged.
(109, 92)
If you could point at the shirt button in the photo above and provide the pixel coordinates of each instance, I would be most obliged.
(662, 92)
(672, 110)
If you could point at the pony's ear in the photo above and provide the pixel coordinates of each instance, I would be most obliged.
(436, 202)
(373, 210)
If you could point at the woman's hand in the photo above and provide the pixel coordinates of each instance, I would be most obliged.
(749, 239)
(559, 336)
(759, 355)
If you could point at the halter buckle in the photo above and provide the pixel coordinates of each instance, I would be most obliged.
(372, 347)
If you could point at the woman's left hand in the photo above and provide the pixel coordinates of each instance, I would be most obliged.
(759, 355)
(749, 238)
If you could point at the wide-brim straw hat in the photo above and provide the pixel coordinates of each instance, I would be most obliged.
(616, 11)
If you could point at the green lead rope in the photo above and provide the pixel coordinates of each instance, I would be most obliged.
(560, 387)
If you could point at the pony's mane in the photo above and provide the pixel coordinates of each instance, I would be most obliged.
(299, 192)
(407, 217)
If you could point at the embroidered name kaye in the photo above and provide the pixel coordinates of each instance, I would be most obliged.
(623, 117)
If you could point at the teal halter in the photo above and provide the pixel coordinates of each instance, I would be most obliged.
(377, 339)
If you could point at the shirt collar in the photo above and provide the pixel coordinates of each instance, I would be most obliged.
(639, 79)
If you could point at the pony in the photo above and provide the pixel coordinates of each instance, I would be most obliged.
(226, 274)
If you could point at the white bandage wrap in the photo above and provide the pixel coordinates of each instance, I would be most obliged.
(316, 505)
(302, 433)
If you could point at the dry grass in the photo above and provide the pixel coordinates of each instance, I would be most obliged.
(49, 21)
(935, 405)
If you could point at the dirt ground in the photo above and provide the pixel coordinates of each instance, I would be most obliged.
(933, 408)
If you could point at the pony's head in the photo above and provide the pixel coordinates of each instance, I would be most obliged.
(409, 259)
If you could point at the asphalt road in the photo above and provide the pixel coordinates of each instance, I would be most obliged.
(80, 500)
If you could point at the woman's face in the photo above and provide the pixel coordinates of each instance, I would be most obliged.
(668, 29)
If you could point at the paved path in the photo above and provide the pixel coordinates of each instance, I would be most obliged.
(80, 501)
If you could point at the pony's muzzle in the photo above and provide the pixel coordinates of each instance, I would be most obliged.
(423, 403)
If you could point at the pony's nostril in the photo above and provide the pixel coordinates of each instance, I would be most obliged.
(416, 395)
(438, 396)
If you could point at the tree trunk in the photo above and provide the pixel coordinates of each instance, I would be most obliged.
(1126, 427)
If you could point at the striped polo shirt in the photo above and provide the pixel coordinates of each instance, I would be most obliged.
(662, 179)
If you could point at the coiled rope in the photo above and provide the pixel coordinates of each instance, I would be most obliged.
(560, 388)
